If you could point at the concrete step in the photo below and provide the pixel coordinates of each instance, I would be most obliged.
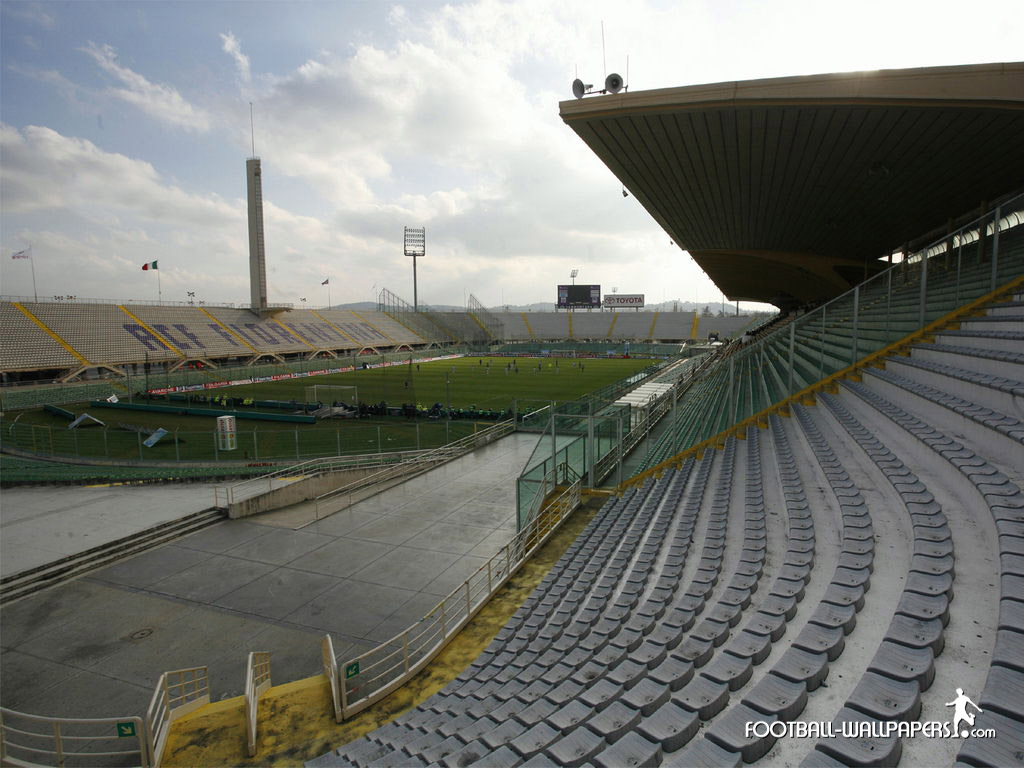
(45, 576)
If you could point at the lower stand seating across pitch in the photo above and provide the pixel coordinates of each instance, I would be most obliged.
(803, 573)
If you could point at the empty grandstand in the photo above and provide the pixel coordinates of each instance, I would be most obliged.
(774, 585)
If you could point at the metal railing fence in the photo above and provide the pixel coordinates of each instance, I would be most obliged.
(176, 694)
(257, 681)
(340, 498)
(886, 308)
(185, 447)
(31, 740)
(374, 674)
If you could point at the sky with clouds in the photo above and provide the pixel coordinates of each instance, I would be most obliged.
(124, 128)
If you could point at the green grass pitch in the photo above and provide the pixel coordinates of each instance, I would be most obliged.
(480, 382)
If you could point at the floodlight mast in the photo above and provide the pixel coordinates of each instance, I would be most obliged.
(415, 246)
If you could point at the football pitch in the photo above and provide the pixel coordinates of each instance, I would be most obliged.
(485, 383)
(475, 384)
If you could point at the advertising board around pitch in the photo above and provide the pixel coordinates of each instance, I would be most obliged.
(624, 300)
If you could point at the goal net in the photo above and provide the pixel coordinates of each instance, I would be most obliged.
(332, 393)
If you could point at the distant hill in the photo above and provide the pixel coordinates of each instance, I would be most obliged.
(714, 307)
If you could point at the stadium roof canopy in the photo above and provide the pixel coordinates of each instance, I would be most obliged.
(789, 190)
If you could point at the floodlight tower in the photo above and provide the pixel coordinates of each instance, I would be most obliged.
(415, 246)
(573, 275)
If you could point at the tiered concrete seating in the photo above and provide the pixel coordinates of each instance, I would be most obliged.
(102, 333)
(395, 330)
(726, 327)
(591, 325)
(24, 346)
(633, 325)
(192, 331)
(515, 325)
(265, 335)
(550, 325)
(674, 325)
(728, 591)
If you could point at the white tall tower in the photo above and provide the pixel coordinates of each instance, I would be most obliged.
(257, 256)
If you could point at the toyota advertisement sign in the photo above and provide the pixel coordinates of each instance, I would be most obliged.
(635, 300)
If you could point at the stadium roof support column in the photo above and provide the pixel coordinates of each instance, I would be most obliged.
(257, 256)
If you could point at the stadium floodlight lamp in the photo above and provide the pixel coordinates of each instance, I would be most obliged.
(415, 241)
(573, 275)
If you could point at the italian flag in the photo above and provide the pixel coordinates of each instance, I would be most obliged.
(149, 265)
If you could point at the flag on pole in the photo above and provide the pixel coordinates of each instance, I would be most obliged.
(21, 255)
(325, 282)
(149, 265)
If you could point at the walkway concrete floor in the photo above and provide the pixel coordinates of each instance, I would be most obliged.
(96, 646)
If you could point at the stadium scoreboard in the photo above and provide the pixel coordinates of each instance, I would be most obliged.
(574, 296)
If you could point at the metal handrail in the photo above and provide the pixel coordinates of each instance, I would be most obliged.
(53, 739)
(257, 681)
(330, 667)
(423, 460)
(176, 694)
(226, 495)
(374, 674)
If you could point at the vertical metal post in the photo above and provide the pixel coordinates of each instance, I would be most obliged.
(792, 342)
(924, 286)
(216, 453)
(58, 743)
(995, 249)
(959, 261)
(618, 464)
(296, 443)
(177, 447)
(74, 435)
(554, 446)
(468, 600)
(732, 388)
(417, 435)
(379, 449)
(490, 585)
(138, 435)
(405, 651)
(337, 435)
(590, 451)
(856, 317)
(106, 448)
(444, 621)
(888, 302)
(821, 348)
(255, 445)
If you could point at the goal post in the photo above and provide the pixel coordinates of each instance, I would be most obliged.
(332, 393)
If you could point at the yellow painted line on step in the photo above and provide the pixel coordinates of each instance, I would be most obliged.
(51, 333)
(486, 329)
(218, 322)
(378, 330)
(336, 328)
(696, 322)
(615, 319)
(156, 335)
(297, 335)
(528, 328)
(409, 328)
(654, 322)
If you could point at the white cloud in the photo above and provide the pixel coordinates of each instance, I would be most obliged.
(33, 13)
(233, 48)
(162, 102)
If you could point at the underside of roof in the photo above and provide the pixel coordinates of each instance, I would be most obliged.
(790, 190)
